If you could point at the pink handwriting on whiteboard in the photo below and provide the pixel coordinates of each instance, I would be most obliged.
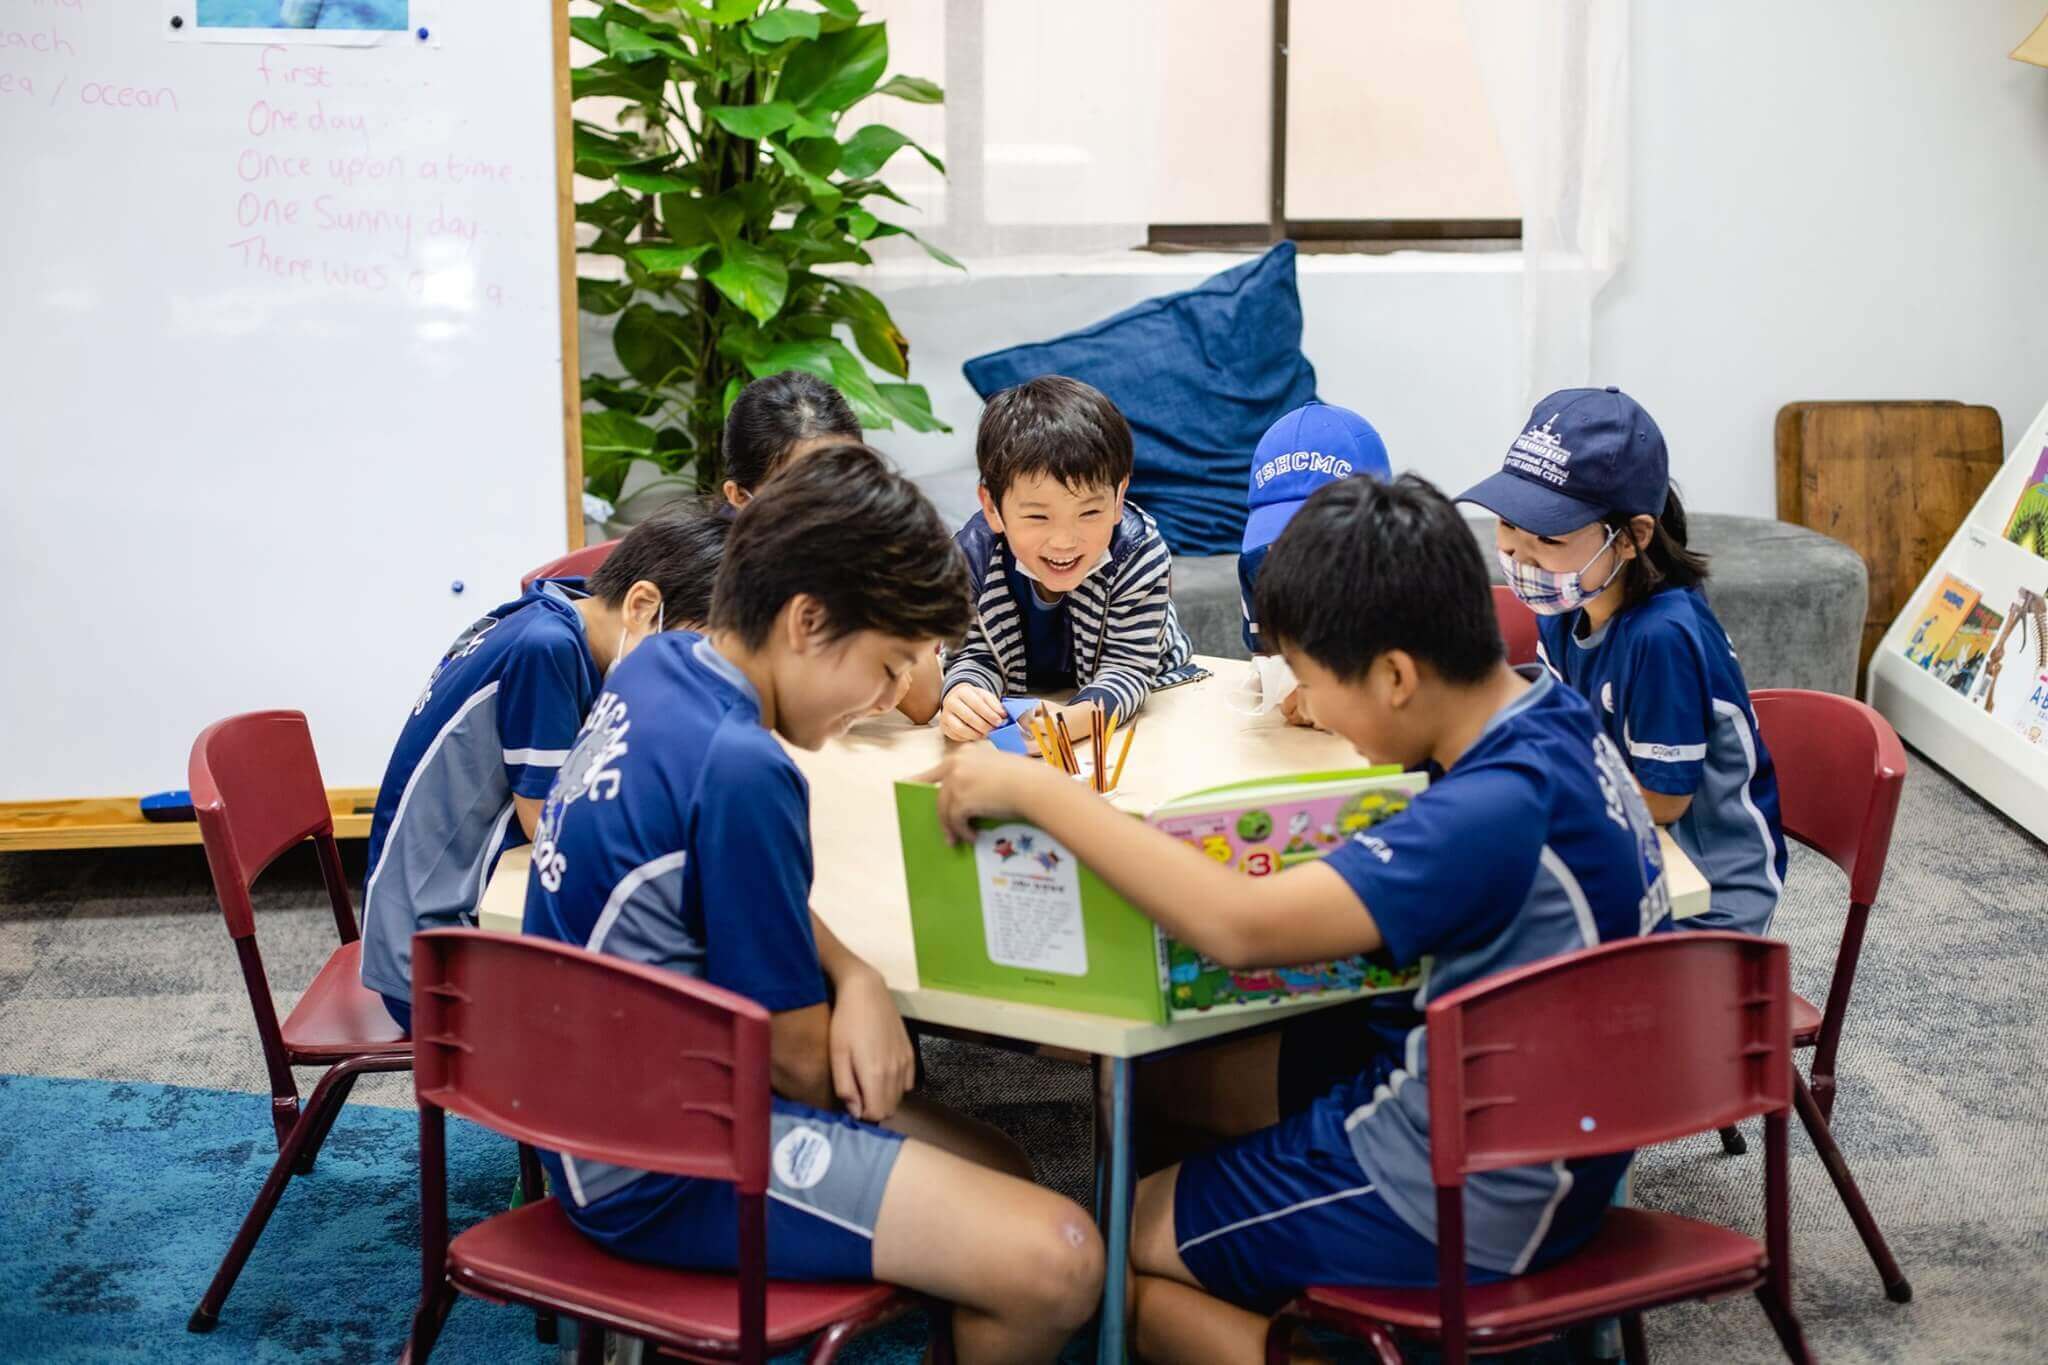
(274, 65)
(46, 41)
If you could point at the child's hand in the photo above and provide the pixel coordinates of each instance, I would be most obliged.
(982, 783)
(873, 1062)
(1295, 712)
(971, 712)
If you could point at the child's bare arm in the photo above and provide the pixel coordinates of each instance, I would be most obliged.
(1305, 914)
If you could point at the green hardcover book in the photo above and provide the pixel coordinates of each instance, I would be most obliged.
(1014, 916)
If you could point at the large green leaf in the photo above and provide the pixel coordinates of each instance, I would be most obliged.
(589, 30)
(602, 297)
(640, 82)
(912, 406)
(720, 12)
(691, 220)
(860, 224)
(755, 280)
(615, 433)
(840, 9)
(632, 44)
(752, 121)
(818, 155)
(780, 25)
(867, 150)
(644, 182)
(617, 393)
(665, 259)
(916, 89)
(652, 343)
(615, 211)
(836, 70)
(817, 189)
(874, 331)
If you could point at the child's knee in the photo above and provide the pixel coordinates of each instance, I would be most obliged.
(1058, 1261)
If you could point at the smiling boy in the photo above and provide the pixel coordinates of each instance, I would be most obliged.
(1072, 584)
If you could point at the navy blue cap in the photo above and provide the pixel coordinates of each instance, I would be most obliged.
(1585, 453)
(1317, 443)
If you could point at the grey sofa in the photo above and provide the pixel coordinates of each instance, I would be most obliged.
(1791, 599)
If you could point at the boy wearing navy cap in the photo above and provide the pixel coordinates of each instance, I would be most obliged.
(1532, 843)
(1592, 538)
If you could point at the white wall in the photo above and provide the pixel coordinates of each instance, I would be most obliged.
(1828, 202)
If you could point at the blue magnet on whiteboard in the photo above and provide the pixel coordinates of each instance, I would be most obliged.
(423, 33)
(456, 586)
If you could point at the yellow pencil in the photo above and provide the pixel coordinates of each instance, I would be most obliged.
(1123, 754)
(1044, 741)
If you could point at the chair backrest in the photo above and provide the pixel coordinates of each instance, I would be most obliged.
(1841, 770)
(575, 564)
(575, 1052)
(1615, 1047)
(1517, 625)
(256, 791)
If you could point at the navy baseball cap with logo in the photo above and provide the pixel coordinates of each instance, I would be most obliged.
(1584, 453)
(1316, 444)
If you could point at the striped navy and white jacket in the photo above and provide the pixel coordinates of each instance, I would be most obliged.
(1127, 637)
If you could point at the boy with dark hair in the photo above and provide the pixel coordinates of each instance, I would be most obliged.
(678, 836)
(1532, 843)
(1072, 585)
(495, 720)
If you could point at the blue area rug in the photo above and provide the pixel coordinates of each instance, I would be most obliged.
(125, 1196)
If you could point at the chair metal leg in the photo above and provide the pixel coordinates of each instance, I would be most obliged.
(1823, 1086)
(1896, 1287)
(533, 1187)
(1786, 1324)
(1635, 1348)
(1732, 1141)
(589, 1343)
(1113, 1127)
(427, 1321)
(318, 1138)
(333, 1085)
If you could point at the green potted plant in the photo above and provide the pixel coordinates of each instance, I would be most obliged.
(733, 190)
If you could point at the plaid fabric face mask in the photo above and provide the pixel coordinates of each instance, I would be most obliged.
(1553, 594)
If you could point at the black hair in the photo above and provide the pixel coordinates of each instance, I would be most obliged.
(847, 530)
(771, 415)
(1664, 562)
(1365, 567)
(677, 550)
(1052, 425)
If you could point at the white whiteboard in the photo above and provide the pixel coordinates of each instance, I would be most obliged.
(280, 361)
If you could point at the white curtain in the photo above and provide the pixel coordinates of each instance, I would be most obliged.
(1556, 79)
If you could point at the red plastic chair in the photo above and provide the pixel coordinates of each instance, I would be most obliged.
(1841, 771)
(1517, 626)
(257, 792)
(504, 1027)
(575, 564)
(1690, 1031)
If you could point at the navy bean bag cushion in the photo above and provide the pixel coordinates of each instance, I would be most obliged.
(1199, 375)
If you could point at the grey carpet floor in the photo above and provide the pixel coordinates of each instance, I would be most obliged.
(116, 965)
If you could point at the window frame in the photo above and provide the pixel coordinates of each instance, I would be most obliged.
(1325, 234)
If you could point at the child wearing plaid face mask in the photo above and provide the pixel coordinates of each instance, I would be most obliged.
(1592, 538)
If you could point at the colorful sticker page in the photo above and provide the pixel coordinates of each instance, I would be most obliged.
(1260, 832)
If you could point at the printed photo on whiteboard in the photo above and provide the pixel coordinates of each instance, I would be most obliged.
(350, 15)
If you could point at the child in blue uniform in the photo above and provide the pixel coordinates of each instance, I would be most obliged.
(678, 835)
(1592, 538)
(1532, 843)
(496, 718)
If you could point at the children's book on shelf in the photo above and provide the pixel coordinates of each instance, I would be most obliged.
(1944, 610)
(1014, 916)
(2027, 527)
(1961, 660)
(2013, 683)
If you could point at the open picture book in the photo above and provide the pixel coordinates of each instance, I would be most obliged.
(1015, 916)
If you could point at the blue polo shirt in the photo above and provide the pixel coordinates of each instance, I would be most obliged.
(1669, 691)
(679, 836)
(1567, 857)
(495, 720)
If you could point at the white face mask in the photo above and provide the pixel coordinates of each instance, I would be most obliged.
(1266, 683)
(619, 654)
